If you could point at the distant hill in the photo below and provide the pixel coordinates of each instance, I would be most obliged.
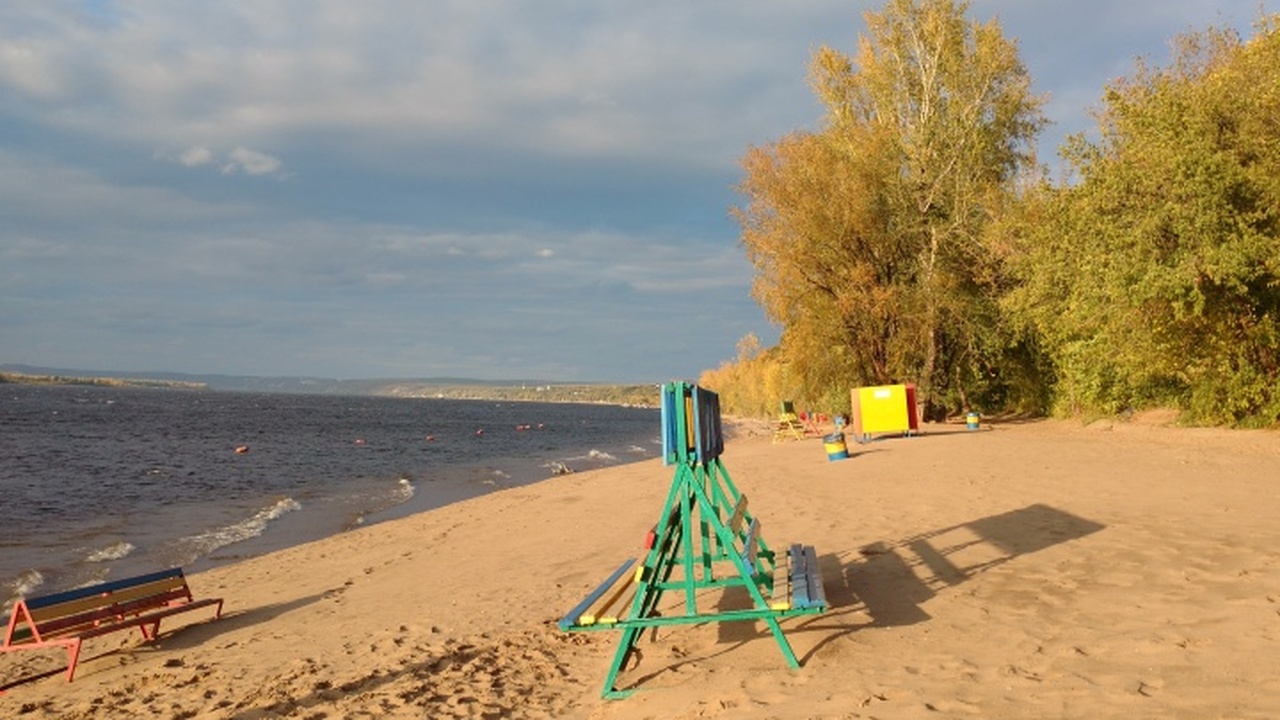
(445, 387)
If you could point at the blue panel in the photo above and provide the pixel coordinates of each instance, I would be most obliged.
(101, 588)
(669, 429)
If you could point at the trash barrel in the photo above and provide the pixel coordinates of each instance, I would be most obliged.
(971, 421)
(834, 444)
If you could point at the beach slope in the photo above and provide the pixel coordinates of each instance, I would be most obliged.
(1043, 569)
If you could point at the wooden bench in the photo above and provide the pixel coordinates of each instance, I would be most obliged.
(797, 587)
(705, 539)
(69, 618)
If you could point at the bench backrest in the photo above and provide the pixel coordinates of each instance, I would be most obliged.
(65, 612)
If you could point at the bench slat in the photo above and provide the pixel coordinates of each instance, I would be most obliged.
(89, 618)
(739, 514)
(817, 594)
(751, 546)
(571, 618)
(799, 579)
(106, 587)
(805, 577)
(148, 618)
(176, 587)
(616, 609)
(781, 598)
(600, 612)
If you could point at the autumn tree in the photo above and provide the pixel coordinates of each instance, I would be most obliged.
(1154, 277)
(868, 235)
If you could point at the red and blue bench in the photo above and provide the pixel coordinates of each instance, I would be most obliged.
(67, 619)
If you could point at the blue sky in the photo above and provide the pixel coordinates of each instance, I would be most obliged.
(468, 188)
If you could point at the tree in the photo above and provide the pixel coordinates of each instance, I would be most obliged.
(868, 235)
(1155, 278)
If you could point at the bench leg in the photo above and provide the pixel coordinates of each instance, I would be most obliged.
(628, 645)
(787, 653)
(152, 633)
(73, 658)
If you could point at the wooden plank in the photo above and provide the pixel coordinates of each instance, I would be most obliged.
(626, 599)
(817, 594)
(122, 594)
(571, 618)
(781, 598)
(739, 514)
(100, 588)
(150, 618)
(111, 608)
(751, 546)
(799, 578)
(600, 611)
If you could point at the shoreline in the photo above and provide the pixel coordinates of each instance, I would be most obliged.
(1029, 569)
(108, 483)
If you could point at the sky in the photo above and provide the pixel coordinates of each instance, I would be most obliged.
(434, 188)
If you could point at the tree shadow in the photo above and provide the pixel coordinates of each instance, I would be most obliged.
(890, 581)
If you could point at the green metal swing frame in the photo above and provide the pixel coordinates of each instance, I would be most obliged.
(706, 531)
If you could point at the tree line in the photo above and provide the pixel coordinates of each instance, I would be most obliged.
(915, 237)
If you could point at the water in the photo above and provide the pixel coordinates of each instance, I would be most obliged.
(100, 483)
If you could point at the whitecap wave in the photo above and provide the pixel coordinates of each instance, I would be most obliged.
(111, 552)
(637, 450)
(405, 490)
(21, 586)
(216, 538)
(600, 455)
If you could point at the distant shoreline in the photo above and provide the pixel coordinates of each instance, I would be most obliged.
(624, 395)
(25, 379)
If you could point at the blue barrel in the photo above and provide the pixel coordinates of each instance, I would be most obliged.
(971, 420)
(834, 444)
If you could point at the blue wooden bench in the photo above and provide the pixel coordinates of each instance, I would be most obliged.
(610, 604)
(67, 619)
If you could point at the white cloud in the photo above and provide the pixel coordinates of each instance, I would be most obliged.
(196, 155)
(546, 160)
(251, 162)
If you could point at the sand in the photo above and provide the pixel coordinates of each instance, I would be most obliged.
(1041, 569)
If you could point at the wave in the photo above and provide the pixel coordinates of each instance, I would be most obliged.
(21, 586)
(211, 540)
(111, 552)
(403, 492)
(600, 455)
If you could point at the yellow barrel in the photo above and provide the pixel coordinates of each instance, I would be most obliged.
(835, 447)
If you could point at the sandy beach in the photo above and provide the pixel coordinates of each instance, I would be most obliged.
(1025, 570)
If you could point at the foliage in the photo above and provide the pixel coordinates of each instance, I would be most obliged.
(1155, 278)
(748, 385)
(868, 236)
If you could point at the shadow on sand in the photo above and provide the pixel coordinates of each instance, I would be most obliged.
(890, 581)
